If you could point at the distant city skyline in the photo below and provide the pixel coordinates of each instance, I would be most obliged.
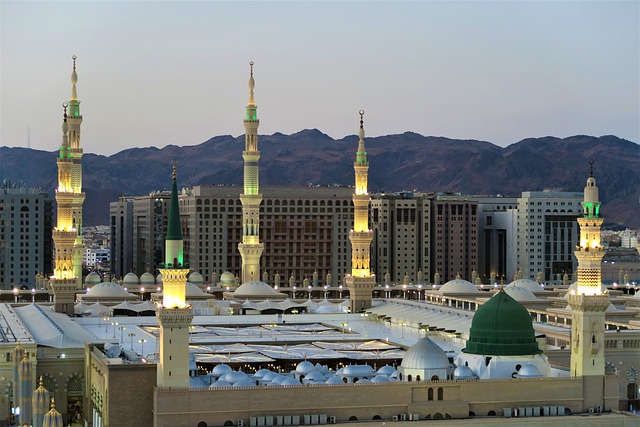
(161, 73)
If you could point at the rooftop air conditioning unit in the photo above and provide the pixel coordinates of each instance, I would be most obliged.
(395, 418)
(240, 423)
(332, 420)
(403, 417)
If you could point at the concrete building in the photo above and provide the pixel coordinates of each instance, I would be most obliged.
(497, 237)
(121, 229)
(548, 233)
(25, 235)
(402, 233)
(454, 231)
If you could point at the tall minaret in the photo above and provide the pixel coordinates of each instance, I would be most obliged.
(74, 119)
(360, 282)
(174, 314)
(251, 248)
(65, 234)
(588, 302)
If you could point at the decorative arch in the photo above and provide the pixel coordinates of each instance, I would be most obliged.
(50, 383)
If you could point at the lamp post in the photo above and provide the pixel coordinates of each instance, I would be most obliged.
(122, 329)
(106, 322)
(340, 287)
(142, 341)
(114, 324)
(402, 326)
(131, 335)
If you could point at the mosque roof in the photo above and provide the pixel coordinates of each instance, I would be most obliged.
(227, 278)
(425, 354)
(502, 327)
(147, 279)
(92, 278)
(519, 293)
(130, 279)
(528, 284)
(108, 290)
(196, 278)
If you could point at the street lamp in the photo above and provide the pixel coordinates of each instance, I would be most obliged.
(131, 335)
(106, 322)
(122, 329)
(402, 326)
(142, 341)
(114, 324)
(340, 287)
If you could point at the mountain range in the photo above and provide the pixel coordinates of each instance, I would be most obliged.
(407, 161)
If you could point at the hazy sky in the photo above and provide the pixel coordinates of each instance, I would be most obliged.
(159, 73)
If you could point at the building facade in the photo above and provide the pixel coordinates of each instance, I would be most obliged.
(25, 235)
(121, 230)
(548, 233)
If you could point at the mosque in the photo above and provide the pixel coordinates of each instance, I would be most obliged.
(456, 351)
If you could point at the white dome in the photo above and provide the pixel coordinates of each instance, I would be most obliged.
(314, 377)
(386, 370)
(130, 279)
(425, 354)
(107, 290)
(220, 383)
(529, 370)
(290, 381)
(196, 278)
(519, 293)
(463, 372)
(92, 278)
(255, 289)
(458, 286)
(269, 376)
(245, 383)
(380, 379)
(159, 279)
(528, 284)
(235, 376)
(147, 279)
(357, 371)
(261, 373)
(334, 380)
(221, 370)
(194, 291)
(227, 278)
(304, 367)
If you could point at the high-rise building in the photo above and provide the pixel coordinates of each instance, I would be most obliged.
(547, 234)
(360, 281)
(454, 235)
(25, 235)
(67, 235)
(250, 248)
(401, 224)
(497, 237)
(588, 301)
(121, 248)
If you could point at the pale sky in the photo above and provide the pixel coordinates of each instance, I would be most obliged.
(160, 73)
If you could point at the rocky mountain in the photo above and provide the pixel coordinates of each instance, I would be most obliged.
(397, 162)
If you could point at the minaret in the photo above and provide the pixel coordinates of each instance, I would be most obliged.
(360, 282)
(64, 282)
(251, 248)
(174, 314)
(588, 302)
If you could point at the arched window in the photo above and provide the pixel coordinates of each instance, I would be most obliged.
(434, 378)
(440, 393)
(409, 378)
(430, 394)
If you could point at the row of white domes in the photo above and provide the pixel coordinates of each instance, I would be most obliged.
(147, 279)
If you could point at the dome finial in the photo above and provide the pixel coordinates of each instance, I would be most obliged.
(251, 65)
(174, 165)
(74, 80)
(252, 85)
(361, 112)
(591, 162)
(65, 105)
(74, 62)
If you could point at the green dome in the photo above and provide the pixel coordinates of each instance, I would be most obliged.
(502, 327)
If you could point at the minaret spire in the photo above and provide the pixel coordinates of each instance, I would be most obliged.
(250, 248)
(360, 282)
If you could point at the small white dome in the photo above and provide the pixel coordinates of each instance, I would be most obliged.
(458, 286)
(106, 290)
(235, 376)
(193, 291)
(314, 377)
(221, 370)
(92, 278)
(529, 370)
(380, 379)
(463, 372)
(269, 376)
(357, 371)
(334, 380)
(255, 289)
(220, 383)
(290, 381)
(304, 367)
(227, 278)
(196, 278)
(528, 284)
(159, 279)
(130, 279)
(425, 354)
(147, 279)
(519, 293)
(244, 383)
(261, 373)
(386, 370)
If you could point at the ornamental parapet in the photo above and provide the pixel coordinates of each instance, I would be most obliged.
(364, 235)
(598, 250)
(174, 316)
(589, 302)
(251, 197)
(361, 282)
(174, 274)
(64, 235)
